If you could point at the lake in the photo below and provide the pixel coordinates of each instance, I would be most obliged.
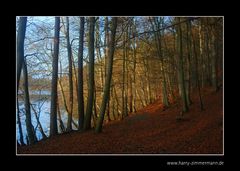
(43, 107)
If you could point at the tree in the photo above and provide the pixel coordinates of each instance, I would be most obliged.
(29, 126)
(20, 59)
(87, 121)
(196, 67)
(53, 112)
(180, 66)
(19, 124)
(158, 35)
(124, 73)
(39, 125)
(20, 46)
(134, 42)
(80, 76)
(109, 76)
(213, 55)
(69, 49)
(189, 54)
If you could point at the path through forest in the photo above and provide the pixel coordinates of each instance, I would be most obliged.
(150, 130)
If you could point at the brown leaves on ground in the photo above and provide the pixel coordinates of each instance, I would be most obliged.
(150, 131)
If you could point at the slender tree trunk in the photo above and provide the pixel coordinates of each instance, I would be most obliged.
(20, 60)
(196, 66)
(123, 77)
(29, 126)
(61, 124)
(146, 66)
(158, 35)
(80, 76)
(101, 61)
(165, 94)
(130, 95)
(106, 50)
(168, 79)
(62, 127)
(62, 91)
(108, 110)
(75, 79)
(95, 102)
(87, 122)
(113, 101)
(189, 53)
(207, 44)
(134, 76)
(69, 49)
(116, 98)
(213, 60)
(180, 67)
(126, 74)
(20, 46)
(95, 115)
(39, 123)
(53, 113)
(109, 76)
(140, 98)
(19, 124)
(200, 31)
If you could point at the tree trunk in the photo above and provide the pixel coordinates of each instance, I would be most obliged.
(134, 74)
(180, 67)
(20, 60)
(29, 126)
(39, 123)
(213, 59)
(69, 50)
(53, 113)
(80, 76)
(196, 66)
(123, 77)
(158, 36)
(109, 76)
(106, 50)
(19, 124)
(108, 110)
(87, 122)
(130, 95)
(61, 124)
(113, 101)
(116, 98)
(189, 54)
(20, 46)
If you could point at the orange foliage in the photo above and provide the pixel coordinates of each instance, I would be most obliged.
(150, 130)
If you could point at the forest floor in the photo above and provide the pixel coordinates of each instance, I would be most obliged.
(151, 130)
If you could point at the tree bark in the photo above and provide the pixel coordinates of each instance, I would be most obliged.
(158, 36)
(213, 57)
(20, 46)
(196, 66)
(39, 123)
(80, 76)
(69, 50)
(87, 122)
(53, 113)
(61, 124)
(109, 76)
(19, 125)
(29, 126)
(189, 54)
(180, 68)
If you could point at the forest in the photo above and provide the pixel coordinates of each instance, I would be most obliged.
(119, 85)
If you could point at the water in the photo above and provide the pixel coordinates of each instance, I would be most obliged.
(42, 107)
